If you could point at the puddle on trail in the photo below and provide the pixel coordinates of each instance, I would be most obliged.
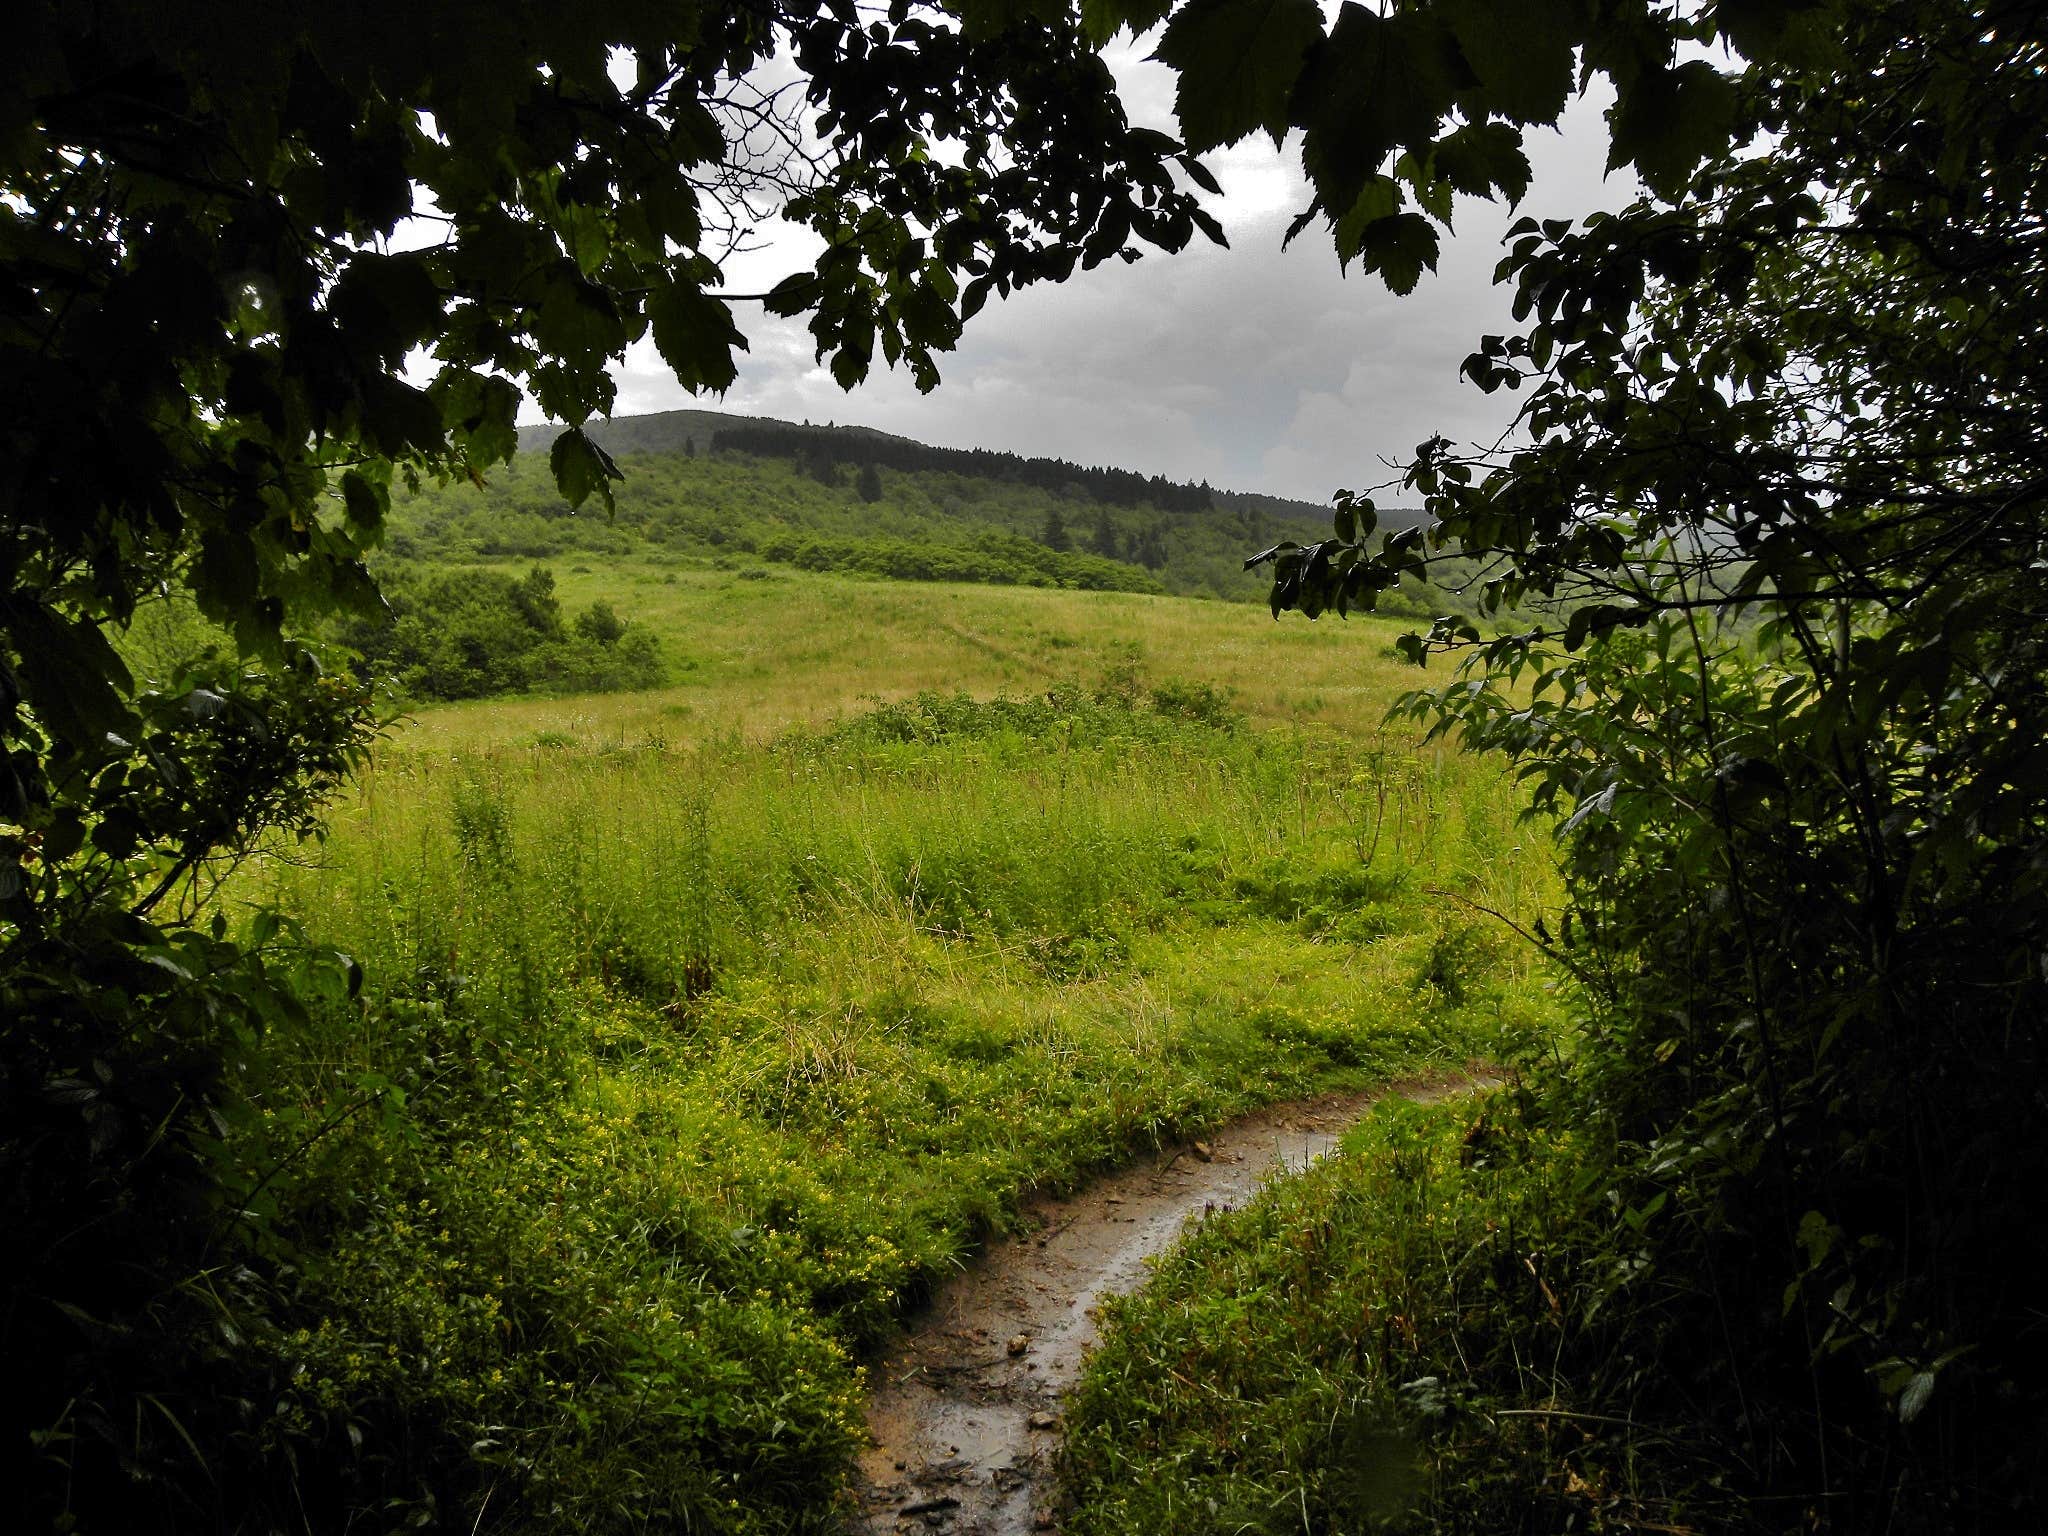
(964, 1409)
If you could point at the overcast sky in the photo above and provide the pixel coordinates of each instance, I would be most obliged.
(1252, 368)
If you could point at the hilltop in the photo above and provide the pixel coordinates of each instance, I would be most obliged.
(683, 432)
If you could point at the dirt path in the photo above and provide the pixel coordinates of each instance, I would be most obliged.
(964, 1409)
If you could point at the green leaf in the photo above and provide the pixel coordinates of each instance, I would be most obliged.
(1913, 1399)
(984, 19)
(695, 335)
(1377, 85)
(794, 294)
(1381, 199)
(580, 467)
(1600, 804)
(1593, 619)
(1521, 51)
(481, 411)
(64, 835)
(576, 319)
(1665, 122)
(118, 834)
(399, 420)
(1199, 174)
(1265, 556)
(365, 501)
(1480, 158)
(226, 575)
(387, 305)
(1102, 19)
(849, 366)
(1238, 61)
(1399, 248)
(1788, 30)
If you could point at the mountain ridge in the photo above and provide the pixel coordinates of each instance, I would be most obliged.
(663, 433)
(668, 431)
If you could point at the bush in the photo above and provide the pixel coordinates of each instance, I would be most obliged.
(475, 634)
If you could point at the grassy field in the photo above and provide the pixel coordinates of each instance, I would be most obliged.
(705, 1028)
(755, 652)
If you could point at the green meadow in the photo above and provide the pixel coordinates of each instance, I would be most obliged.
(754, 651)
(704, 1028)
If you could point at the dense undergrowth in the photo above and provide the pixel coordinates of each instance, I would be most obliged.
(1464, 1322)
(926, 525)
(1391, 1331)
(999, 559)
(1748, 1254)
(678, 1074)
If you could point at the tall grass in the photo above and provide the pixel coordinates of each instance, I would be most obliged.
(1375, 1339)
(752, 653)
(682, 1070)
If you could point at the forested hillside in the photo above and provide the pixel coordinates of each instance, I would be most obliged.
(701, 485)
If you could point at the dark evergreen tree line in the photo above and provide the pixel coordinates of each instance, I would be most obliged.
(816, 448)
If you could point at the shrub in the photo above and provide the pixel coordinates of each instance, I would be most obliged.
(474, 634)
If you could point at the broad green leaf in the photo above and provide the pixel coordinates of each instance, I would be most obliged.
(226, 575)
(399, 419)
(482, 412)
(1381, 199)
(1479, 159)
(984, 19)
(1801, 32)
(850, 366)
(365, 501)
(1665, 122)
(695, 335)
(1238, 61)
(71, 674)
(1399, 248)
(580, 466)
(1102, 19)
(794, 294)
(387, 304)
(577, 319)
(1374, 87)
(1521, 51)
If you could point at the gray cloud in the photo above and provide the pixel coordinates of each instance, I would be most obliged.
(1252, 368)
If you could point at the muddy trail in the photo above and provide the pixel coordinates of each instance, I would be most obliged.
(964, 1408)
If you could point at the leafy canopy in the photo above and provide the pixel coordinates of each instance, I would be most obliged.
(231, 237)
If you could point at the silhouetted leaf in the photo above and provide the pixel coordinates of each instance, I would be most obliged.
(1666, 121)
(695, 335)
(1522, 52)
(580, 467)
(1237, 61)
